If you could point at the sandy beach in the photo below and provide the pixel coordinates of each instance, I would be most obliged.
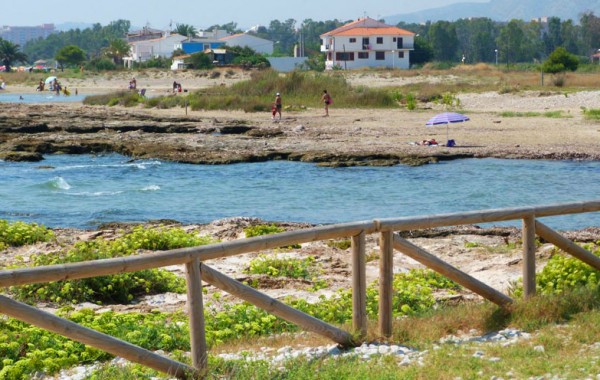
(347, 137)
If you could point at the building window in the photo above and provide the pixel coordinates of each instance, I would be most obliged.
(363, 55)
(344, 56)
(352, 40)
(365, 43)
(380, 55)
(399, 43)
(400, 54)
(379, 40)
(394, 39)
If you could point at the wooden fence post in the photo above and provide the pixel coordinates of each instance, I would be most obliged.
(386, 279)
(359, 285)
(196, 314)
(528, 256)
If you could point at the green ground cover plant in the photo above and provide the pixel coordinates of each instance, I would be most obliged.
(282, 266)
(266, 229)
(564, 273)
(18, 233)
(122, 287)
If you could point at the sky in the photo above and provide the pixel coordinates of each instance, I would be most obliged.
(202, 14)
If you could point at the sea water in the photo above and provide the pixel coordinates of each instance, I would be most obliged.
(86, 190)
(40, 97)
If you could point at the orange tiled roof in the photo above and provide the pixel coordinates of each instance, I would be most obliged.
(358, 31)
(366, 27)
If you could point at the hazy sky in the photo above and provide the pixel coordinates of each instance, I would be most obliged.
(202, 14)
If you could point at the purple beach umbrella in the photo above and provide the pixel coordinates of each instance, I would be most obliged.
(447, 118)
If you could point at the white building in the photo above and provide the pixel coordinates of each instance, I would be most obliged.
(367, 43)
(259, 45)
(144, 50)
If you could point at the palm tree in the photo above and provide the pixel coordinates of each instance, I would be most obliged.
(9, 54)
(117, 49)
(186, 30)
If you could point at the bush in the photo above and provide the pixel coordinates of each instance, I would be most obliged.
(122, 98)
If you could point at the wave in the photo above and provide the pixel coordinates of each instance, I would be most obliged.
(58, 183)
(137, 165)
(150, 188)
(96, 193)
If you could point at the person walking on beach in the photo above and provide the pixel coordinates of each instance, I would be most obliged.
(277, 106)
(326, 99)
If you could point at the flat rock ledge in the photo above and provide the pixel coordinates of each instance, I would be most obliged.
(27, 132)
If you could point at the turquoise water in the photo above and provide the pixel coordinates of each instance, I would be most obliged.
(40, 97)
(84, 191)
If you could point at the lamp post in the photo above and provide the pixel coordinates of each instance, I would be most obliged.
(496, 51)
(393, 59)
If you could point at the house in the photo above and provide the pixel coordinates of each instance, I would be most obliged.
(179, 62)
(144, 50)
(367, 43)
(146, 33)
(259, 45)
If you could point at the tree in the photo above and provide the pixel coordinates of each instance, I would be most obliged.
(9, 54)
(444, 42)
(199, 61)
(70, 55)
(422, 53)
(559, 61)
(116, 50)
(186, 30)
(230, 27)
(510, 41)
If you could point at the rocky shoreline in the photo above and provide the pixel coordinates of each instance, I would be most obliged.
(358, 137)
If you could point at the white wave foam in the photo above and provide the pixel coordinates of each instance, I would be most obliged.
(96, 193)
(59, 183)
(151, 188)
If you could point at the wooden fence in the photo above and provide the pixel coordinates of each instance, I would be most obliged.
(197, 271)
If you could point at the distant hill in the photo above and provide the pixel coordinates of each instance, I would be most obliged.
(502, 10)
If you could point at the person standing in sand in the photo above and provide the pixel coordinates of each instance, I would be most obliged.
(326, 99)
(277, 106)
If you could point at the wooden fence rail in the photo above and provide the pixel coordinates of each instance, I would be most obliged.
(197, 271)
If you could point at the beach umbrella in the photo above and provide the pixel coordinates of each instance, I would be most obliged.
(50, 79)
(447, 118)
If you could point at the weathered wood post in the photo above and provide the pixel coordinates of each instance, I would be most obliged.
(196, 314)
(528, 256)
(359, 285)
(386, 278)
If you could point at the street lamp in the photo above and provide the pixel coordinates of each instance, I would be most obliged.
(496, 51)
(393, 59)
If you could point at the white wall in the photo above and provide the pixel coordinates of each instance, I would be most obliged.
(259, 45)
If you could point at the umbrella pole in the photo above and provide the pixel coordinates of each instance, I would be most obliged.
(447, 133)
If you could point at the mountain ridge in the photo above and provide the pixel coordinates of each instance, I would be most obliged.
(501, 10)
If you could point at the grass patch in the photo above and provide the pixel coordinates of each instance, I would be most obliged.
(591, 114)
(121, 98)
(548, 114)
